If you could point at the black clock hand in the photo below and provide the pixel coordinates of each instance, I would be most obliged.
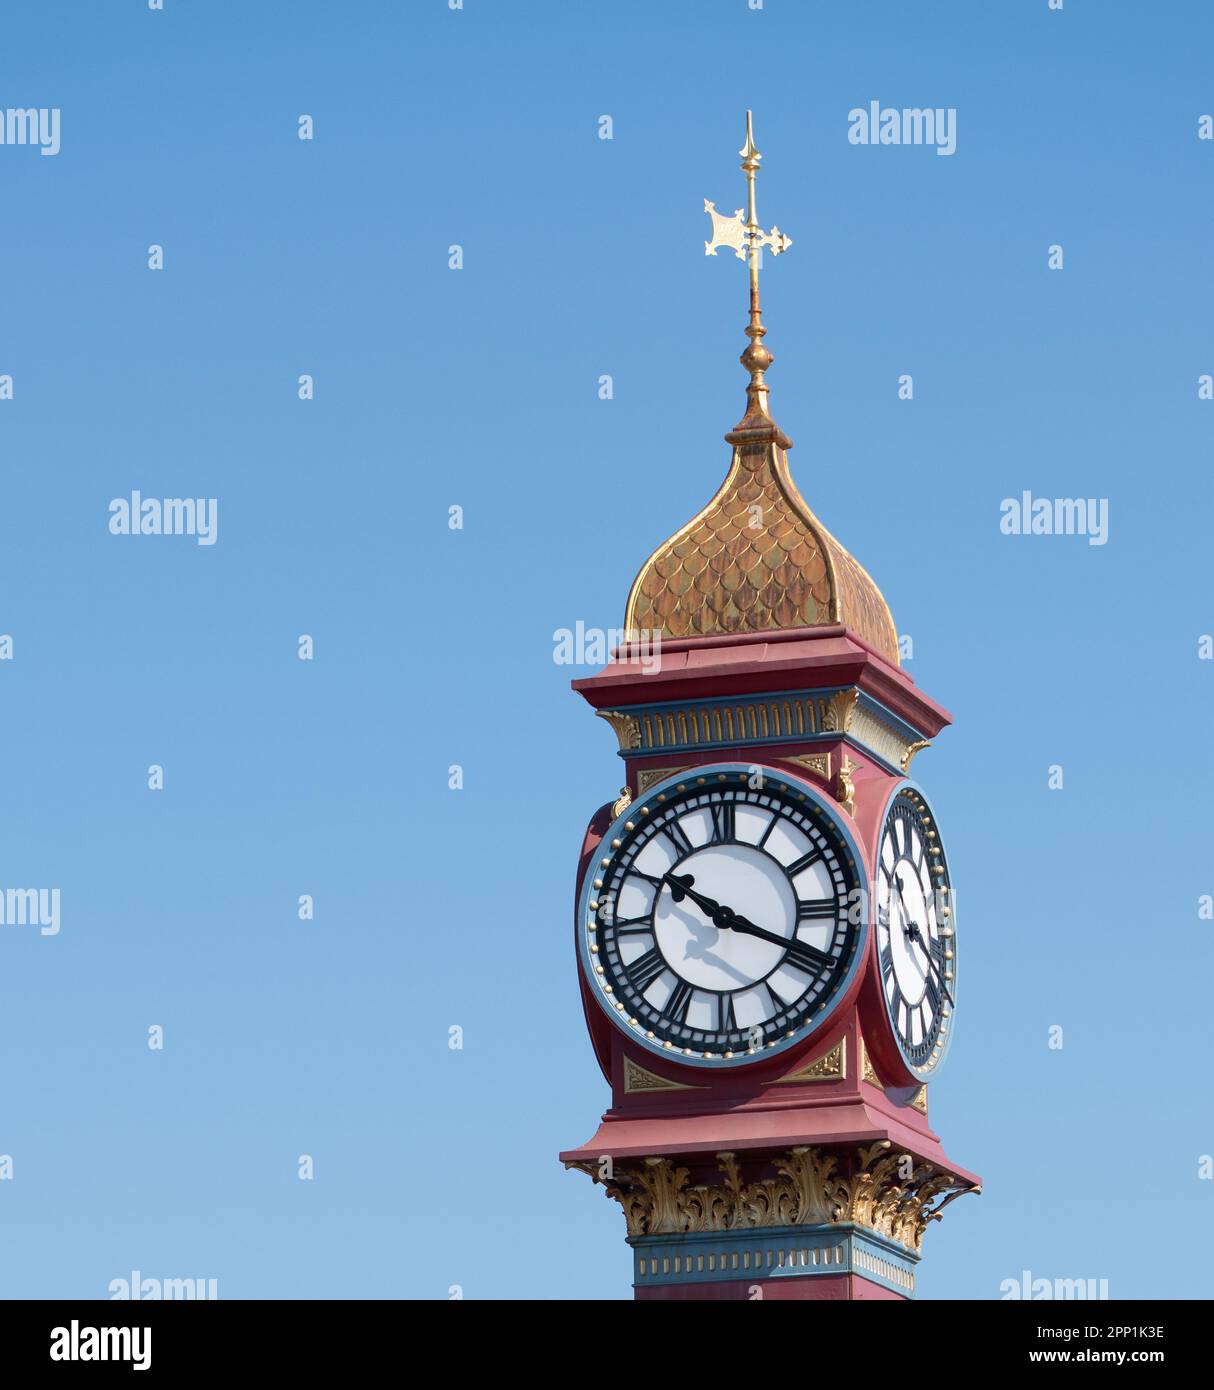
(914, 934)
(911, 929)
(934, 964)
(681, 886)
(748, 928)
(722, 917)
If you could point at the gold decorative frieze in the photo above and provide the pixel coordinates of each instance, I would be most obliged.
(869, 1187)
(638, 1079)
(831, 1066)
(764, 718)
(897, 750)
(733, 721)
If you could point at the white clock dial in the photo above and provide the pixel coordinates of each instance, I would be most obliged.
(916, 934)
(726, 917)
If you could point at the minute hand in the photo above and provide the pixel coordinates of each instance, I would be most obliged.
(748, 928)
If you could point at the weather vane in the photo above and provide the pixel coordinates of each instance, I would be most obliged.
(748, 239)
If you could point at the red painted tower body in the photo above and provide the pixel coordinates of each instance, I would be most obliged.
(764, 924)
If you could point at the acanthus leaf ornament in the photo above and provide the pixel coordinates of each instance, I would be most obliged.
(814, 1187)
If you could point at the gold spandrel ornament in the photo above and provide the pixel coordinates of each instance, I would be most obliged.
(639, 1079)
(831, 1066)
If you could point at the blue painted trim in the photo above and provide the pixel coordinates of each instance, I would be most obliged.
(825, 692)
(802, 1035)
(714, 1257)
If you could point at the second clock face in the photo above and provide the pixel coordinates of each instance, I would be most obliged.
(725, 919)
(916, 940)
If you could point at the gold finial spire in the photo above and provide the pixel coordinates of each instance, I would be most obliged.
(748, 239)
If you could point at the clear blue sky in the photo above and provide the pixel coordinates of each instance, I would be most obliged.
(479, 388)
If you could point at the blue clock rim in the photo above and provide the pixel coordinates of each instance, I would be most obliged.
(859, 956)
(922, 1073)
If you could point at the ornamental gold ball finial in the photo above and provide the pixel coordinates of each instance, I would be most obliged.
(747, 239)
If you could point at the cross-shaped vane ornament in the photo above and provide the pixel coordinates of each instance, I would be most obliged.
(743, 234)
(746, 237)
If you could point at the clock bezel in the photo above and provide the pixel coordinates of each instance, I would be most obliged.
(901, 789)
(857, 866)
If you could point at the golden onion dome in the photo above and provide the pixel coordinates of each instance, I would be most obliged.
(756, 559)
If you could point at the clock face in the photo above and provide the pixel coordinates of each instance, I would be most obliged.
(722, 919)
(916, 941)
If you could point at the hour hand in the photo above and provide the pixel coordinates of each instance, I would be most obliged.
(683, 886)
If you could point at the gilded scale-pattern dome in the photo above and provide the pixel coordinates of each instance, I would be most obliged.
(756, 558)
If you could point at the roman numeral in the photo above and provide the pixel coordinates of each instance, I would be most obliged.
(674, 833)
(722, 822)
(934, 972)
(807, 957)
(630, 926)
(727, 1021)
(933, 995)
(771, 825)
(887, 959)
(816, 909)
(645, 969)
(679, 1002)
(796, 867)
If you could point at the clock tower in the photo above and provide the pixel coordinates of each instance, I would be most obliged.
(765, 931)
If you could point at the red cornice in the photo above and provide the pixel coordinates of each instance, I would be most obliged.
(752, 663)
